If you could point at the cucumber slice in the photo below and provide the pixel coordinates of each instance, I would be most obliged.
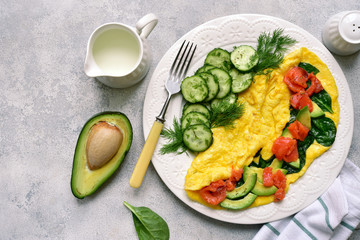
(194, 89)
(193, 118)
(240, 81)
(244, 58)
(196, 107)
(219, 58)
(239, 204)
(224, 80)
(203, 69)
(212, 84)
(243, 189)
(230, 99)
(198, 137)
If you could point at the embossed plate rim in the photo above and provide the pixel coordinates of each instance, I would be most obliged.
(155, 95)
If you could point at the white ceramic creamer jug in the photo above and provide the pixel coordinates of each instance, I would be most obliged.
(118, 55)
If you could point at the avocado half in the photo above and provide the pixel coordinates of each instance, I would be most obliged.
(85, 181)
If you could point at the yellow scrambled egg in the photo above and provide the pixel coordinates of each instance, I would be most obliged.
(267, 110)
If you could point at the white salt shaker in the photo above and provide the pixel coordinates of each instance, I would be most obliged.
(341, 33)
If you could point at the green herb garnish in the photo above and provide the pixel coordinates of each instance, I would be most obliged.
(148, 224)
(271, 49)
(224, 114)
(175, 139)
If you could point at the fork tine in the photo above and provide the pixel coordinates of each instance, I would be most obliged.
(179, 61)
(186, 64)
(179, 73)
(176, 58)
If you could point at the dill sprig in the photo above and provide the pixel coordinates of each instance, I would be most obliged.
(224, 114)
(271, 49)
(175, 139)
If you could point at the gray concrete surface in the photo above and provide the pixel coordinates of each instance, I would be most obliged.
(45, 98)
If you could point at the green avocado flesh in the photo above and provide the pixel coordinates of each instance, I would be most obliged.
(239, 204)
(84, 181)
(304, 117)
(260, 190)
(287, 133)
(243, 189)
(317, 111)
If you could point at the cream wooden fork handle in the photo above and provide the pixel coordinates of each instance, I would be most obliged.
(145, 155)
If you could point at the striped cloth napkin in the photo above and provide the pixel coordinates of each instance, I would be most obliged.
(334, 215)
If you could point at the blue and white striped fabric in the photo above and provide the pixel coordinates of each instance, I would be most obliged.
(334, 215)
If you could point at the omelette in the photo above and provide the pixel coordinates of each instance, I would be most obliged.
(267, 111)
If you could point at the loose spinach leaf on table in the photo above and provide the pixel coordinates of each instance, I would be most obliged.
(309, 68)
(148, 224)
(323, 100)
(324, 131)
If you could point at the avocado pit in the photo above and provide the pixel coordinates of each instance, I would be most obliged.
(103, 143)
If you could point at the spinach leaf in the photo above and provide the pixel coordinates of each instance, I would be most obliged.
(309, 68)
(148, 224)
(324, 131)
(289, 169)
(265, 163)
(253, 164)
(323, 100)
(262, 162)
(308, 84)
(302, 147)
(293, 114)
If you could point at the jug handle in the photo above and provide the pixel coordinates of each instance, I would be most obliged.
(146, 24)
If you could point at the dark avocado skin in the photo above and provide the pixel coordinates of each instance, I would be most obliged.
(79, 162)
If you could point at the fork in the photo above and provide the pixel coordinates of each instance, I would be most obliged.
(172, 85)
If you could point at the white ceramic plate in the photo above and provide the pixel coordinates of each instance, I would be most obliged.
(227, 32)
